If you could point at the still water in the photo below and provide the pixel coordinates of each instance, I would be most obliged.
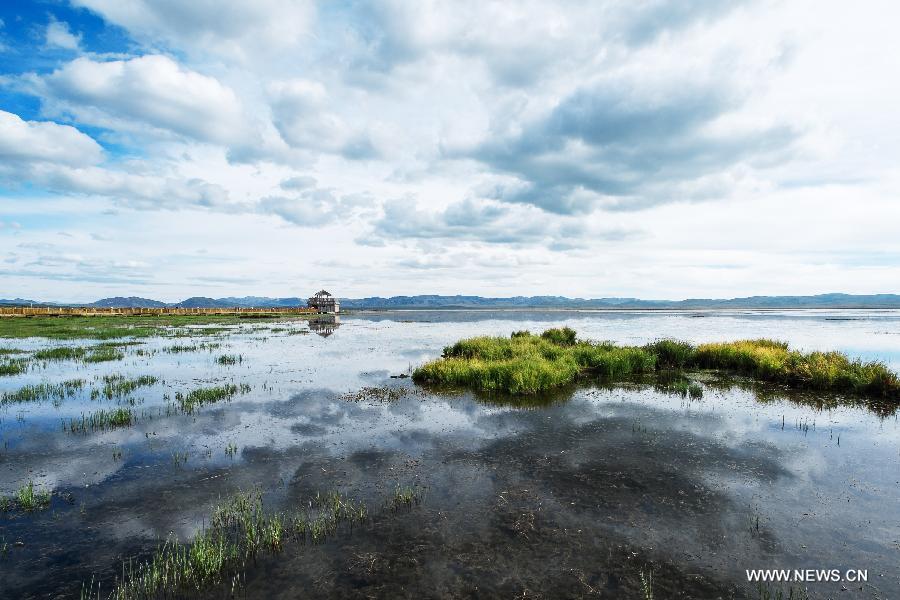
(577, 498)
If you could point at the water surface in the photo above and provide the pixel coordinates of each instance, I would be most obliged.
(574, 498)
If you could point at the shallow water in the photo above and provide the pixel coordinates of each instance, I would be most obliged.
(573, 499)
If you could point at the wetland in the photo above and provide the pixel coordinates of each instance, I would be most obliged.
(293, 457)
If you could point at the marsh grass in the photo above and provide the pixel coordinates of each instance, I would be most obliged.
(230, 359)
(525, 364)
(102, 420)
(56, 392)
(109, 327)
(239, 530)
(14, 366)
(27, 498)
(60, 353)
(118, 386)
(9, 351)
(104, 354)
(202, 396)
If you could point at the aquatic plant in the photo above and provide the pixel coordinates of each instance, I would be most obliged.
(104, 354)
(118, 386)
(230, 359)
(13, 366)
(102, 420)
(60, 353)
(238, 531)
(525, 364)
(43, 391)
(202, 396)
(8, 351)
(27, 498)
(647, 585)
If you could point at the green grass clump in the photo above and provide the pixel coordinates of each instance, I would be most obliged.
(43, 391)
(14, 366)
(102, 420)
(202, 396)
(8, 351)
(117, 386)
(239, 530)
(230, 359)
(27, 498)
(564, 336)
(526, 364)
(60, 353)
(104, 354)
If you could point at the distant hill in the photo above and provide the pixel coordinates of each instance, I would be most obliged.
(463, 302)
(129, 302)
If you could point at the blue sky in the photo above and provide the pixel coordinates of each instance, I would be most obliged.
(658, 149)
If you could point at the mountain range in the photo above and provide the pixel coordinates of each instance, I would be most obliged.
(463, 302)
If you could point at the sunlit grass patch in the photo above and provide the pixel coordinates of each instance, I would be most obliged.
(525, 363)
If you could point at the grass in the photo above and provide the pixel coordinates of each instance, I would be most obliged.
(104, 354)
(117, 386)
(8, 351)
(43, 391)
(102, 420)
(60, 353)
(202, 396)
(13, 366)
(230, 359)
(239, 530)
(109, 327)
(27, 498)
(525, 364)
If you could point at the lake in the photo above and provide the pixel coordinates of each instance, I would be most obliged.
(594, 491)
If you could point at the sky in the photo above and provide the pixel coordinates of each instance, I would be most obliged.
(637, 148)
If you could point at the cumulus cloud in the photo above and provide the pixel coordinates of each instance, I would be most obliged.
(25, 142)
(153, 90)
(301, 115)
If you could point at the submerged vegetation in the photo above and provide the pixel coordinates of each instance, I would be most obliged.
(525, 364)
(238, 531)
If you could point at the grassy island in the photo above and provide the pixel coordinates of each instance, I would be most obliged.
(526, 363)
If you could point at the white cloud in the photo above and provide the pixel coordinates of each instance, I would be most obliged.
(570, 142)
(58, 35)
(44, 142)
(233, 29)
(150, 89)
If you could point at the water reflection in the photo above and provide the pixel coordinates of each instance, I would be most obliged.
(325, 325)
(578, 492)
